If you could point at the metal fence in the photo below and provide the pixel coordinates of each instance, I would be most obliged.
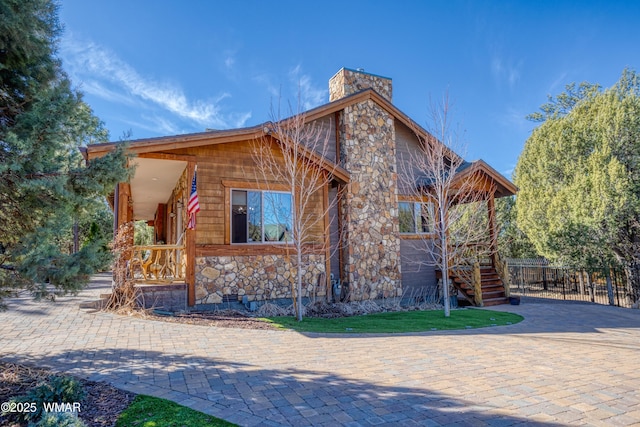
(536, 278)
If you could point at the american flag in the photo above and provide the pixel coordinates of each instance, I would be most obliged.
(193, 207)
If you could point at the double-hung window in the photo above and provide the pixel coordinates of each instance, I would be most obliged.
(416, 217)
(260, 216)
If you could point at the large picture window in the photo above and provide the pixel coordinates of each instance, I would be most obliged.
(416, 218)
(260, 216)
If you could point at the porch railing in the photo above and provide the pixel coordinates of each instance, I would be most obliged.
(158, 263)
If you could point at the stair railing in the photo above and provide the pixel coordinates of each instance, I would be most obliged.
(503, 272)
(476, 280)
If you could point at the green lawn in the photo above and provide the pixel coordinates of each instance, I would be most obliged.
(147, 411)
(401, 321)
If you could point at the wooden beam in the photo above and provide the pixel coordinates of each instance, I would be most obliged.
(124, 211)
(168, 156)
(493, 241)
(253, 249)
(190, 237)
(336, 116)
(253, 185)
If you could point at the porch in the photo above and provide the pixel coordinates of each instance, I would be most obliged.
(157, 195)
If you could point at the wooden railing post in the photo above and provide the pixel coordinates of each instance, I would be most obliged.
(477, 284)
(503, 272)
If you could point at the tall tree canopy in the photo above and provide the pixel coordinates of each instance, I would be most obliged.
(44, 185)
(579, 178)
(512, 241)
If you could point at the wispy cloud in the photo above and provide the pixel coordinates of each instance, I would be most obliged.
(264, 80)
(514, 119)
(558, 84)
(102, 73)
(310, 95)
(229, 60)
(506, 71)
(509, 171)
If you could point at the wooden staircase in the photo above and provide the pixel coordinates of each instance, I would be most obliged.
(493, 292)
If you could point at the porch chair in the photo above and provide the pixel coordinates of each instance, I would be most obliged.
(156, 268)
(141, 258)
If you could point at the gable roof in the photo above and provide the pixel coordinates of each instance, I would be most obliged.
(149, 145)
(164, 143)
(504, 187)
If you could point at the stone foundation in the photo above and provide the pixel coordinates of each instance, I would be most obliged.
(259, 277)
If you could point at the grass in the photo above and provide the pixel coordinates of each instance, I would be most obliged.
(401, 321)
(147, 411)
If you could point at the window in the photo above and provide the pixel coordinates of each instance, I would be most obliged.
(260, 216)
(416, 218)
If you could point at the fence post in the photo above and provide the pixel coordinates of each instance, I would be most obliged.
(609, 285)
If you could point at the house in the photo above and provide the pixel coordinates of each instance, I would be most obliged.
(229, 257)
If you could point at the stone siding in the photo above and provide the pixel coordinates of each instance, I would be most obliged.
(372, 258)
(259, 277)
(347, 82)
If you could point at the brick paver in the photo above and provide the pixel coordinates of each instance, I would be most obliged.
(566, 364)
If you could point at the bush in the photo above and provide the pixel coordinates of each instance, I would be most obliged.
(60, 419)
(61, 389)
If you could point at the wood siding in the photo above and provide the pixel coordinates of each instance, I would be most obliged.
(328, 127)
(231, 164)
(406, 145)
(417, 279)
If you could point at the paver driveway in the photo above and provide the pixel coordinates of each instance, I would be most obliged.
(566, 364)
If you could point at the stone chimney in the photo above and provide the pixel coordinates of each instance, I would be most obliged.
(369, 206)
(347, 82)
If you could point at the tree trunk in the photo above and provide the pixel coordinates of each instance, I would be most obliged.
(299, 284)
(445, 273)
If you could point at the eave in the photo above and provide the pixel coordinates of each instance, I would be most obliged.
(504, 187)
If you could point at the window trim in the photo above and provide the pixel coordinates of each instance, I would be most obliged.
(262, 191)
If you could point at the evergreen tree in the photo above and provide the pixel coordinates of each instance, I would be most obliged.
(512, 241)
(44, 185)
(579, 179)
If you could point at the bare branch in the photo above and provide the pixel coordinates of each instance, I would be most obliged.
(435, 174)
(295, 153)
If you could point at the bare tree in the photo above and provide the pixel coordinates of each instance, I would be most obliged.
(453, 191)
(295, 153)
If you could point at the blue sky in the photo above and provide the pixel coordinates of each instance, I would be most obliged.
(164, 67)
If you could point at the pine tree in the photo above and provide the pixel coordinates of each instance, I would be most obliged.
(579, 179)
(44, 185)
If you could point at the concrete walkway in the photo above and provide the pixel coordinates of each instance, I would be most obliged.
(566, 364)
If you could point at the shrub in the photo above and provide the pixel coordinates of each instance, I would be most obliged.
(60, 419)
(54, 389)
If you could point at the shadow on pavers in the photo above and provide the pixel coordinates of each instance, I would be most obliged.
(249, 395)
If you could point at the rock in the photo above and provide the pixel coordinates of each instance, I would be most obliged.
(210, 273)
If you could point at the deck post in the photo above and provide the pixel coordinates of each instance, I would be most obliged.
(190, 242)
(493, 241)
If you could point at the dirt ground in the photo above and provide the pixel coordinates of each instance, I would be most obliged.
(227, 319)
(100, 408)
